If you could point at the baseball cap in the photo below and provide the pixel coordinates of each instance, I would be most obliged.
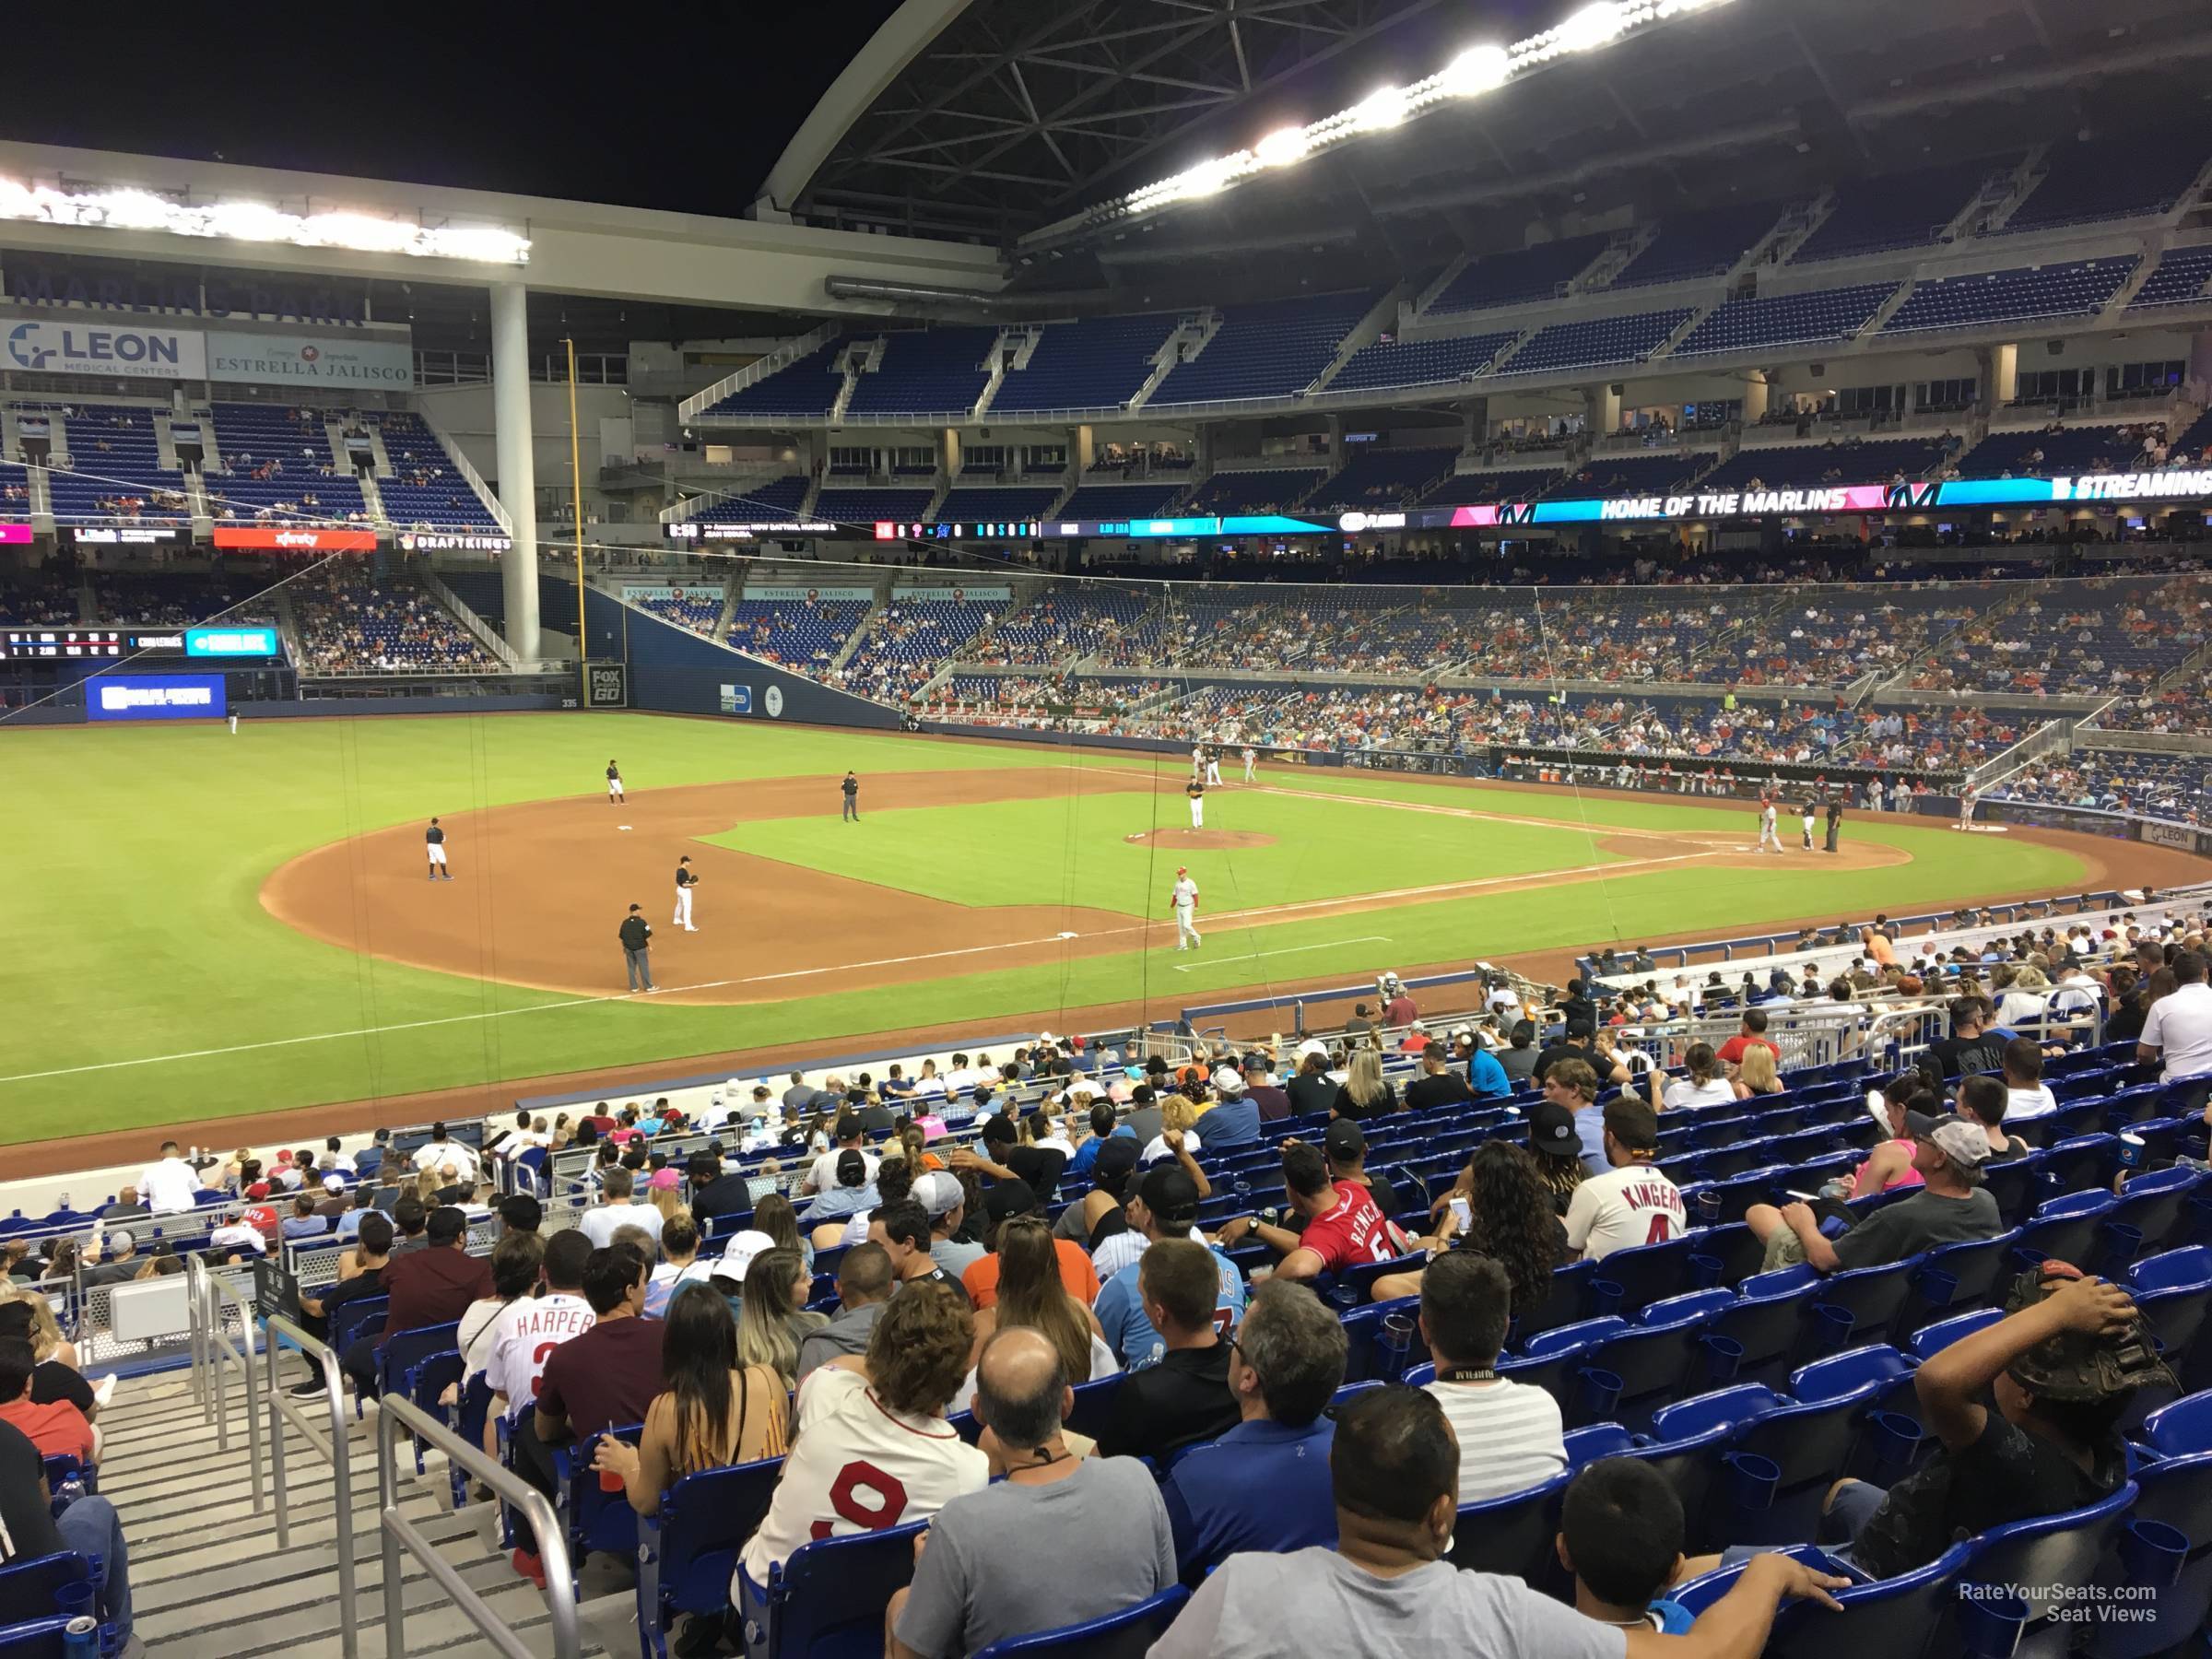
(1228, 1080)
(334, 1183)
(938, 1192)
(1963, 1143)
(1116, 1158)
(1342, 1140)
(852, 1168)
(1006, 1198)
(1551, 1129)
(1580, 1027)
(1182, 869)
(1170, 1196)
(121, 1241)
(738, 1253)
(665, 1179)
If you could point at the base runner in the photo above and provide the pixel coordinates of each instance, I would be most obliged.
(1184, 902)
(433, 843)
(1251, 760)
(1770, 840)
(1197, 791)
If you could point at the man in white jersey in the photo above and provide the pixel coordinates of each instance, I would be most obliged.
(1967, 799)
(1195, 789)
(1770, 840)
(1251, 760)
(1184, 902)
(1212, 767)
(170, 1187)
(527, 1331)
(684, 882)
(872, 1449)
(1633, 1203)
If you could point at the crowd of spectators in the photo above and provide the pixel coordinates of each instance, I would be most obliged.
(353, 621)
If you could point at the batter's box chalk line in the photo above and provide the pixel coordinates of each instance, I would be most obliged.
(1070, 935)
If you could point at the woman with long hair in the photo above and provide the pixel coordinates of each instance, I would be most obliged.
(1502, 1208)
(1365, 1092)
(1703, 1086)
(711, 1411)
(775, 1217)
(1031, 1294)
(776, 1320)
(1755, 1073)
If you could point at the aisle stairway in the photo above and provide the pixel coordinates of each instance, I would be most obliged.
(209, 1582)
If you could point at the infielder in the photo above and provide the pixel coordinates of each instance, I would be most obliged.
(1804, 817)
(1251, 760)
(1770, 840)
(613, 784)
(1212, 767)
(1197, 791)
(684, 882)
(1184, 902)
(433, 841)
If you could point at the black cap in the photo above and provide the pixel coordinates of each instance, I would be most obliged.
(1006, 1198)
(1117, 1157)
(1551, 1129)
(1343, 1141)
(851, 1168)
(1170, 1196)
(1579, 1028)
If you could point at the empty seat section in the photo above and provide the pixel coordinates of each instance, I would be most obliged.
(1831, 314)
(807, 385)
(849, 506)
(1377, 477)
(1895, 210)
(2181, 279)
(1525, 274)
(776, 501)
(1273, 350)
(1099, 363)
(1419, 363)
(1149, 499)
(1273, 489)
(1601, 341)
(1520, 484)
(425, 491)
(2108, 179)
(994, 504)
(930, 371)
(2031, 291)
(1698, 245)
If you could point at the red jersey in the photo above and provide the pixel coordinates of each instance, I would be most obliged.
(1356, 1231)
(1732, 1051)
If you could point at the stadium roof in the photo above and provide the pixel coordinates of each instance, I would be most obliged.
(1024, 124)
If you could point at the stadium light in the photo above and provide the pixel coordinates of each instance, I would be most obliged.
(135, 209)
(1475, 71)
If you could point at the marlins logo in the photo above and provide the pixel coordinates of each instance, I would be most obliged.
(1907, 495)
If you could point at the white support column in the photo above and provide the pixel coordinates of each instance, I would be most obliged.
(518, 478)
(1755, 388)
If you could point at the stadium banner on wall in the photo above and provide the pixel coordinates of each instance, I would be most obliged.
(111, 352)
(124, 536)
(607, 685)
(300, 361)
(15, 535)
(807, 596)
(637, 591)
(156, 697)
(254, 641)
(980, 595)
(295, 539)
(454, 541)
(736, 699)
(698, 530)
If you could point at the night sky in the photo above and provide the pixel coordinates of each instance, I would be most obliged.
(585, 103)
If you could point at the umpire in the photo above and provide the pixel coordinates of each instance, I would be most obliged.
(850, 787)
(634, 933)
(1835, 820)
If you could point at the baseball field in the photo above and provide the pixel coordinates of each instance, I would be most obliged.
(204, 925)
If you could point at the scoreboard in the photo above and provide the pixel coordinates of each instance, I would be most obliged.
(245, 641)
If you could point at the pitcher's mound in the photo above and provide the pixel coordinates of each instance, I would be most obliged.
(1202, 840)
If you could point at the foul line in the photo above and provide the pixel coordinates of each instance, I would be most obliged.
(1253, 956)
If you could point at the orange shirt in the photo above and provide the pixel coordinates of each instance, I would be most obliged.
(57, 1430)
(1879, 949)
(980, 1280)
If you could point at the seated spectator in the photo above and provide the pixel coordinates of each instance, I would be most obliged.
(1438, 1084)
(301, 1223)
(1985, 1102)
(1269, 1095)
(1003, 1158)
(1466, 1304)
(1499, 1208)
(1365, 1092)
(616, 1208)
(852, 1193)
(518, 1262)
(776, 1319)
(1752, 1030)
(57, 1428)
(601, 1378)
(680, 1264)
(941, 1193)
(1343, 1224)
(90, 1526)
(1633, 1203)
(123, 1263)
(997, 1562)
(1704, 1086)
(1178, 1137)
(864, 1290)
(1969, 1048)
(884, 1410)
(1555, 1141)
(980, 1281)
(1182, 1397)
(1232, 1121)
(431, 1287)
(1264, 1485)
(711, 1411)
(528, 1331)
(1311, 1090)
(1620, 1534)
(1951, 1207)
(1163, 1206)
(347, 1227)
(713, 1190)
(2061, 1369)
(2027, 1095)
(1104, 1125)
(1755, 1074)
(361, 1276)
(904, 1232)
(1394, 1475)
(1031, 1296)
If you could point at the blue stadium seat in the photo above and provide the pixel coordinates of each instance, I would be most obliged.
(1513, 1534)
(36, 1639)
(687, 1552)
(1896, 1618)
(27, 1587)
(1128, 1634)
(827, 1600)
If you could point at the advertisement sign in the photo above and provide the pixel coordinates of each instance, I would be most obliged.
(295, 539)
(257, 640)
(636, 593)
(156, 697)
(807, 596)
(113, 352)
(298, 360)
(443, 541)
(736, 699)
(15, 535)
(696, 530)
(125, 536)
(982, 594)
(607, 685)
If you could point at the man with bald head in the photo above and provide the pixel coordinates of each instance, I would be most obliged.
(994, 1563)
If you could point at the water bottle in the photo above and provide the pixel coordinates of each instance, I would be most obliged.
(63, 1201)
(70, 1490)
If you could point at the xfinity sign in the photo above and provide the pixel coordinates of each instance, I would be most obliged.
(164, 354)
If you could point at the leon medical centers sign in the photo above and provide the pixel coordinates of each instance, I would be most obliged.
(111, 351)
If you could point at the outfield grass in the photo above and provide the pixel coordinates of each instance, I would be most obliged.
(136, 857)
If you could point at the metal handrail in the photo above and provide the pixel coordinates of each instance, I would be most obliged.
(394, 1416)
(335, 1450)
(212, 1346)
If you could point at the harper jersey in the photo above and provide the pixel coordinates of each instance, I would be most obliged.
(528, 1331)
